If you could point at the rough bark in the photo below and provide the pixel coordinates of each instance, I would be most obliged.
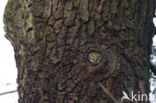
(65, 48)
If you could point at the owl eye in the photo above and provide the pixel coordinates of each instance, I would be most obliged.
(94, 57)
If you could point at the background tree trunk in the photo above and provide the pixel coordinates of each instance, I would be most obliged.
(65, 48)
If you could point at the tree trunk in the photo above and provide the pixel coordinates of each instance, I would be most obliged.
(70, 51)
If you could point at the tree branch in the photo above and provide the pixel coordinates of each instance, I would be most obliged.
(8, 92)
(108, 93)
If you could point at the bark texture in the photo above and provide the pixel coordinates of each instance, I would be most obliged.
(65, 48)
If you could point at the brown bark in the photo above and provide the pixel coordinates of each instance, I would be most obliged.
(65, 48)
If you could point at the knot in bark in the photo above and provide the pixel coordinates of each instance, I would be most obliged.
(94, 57)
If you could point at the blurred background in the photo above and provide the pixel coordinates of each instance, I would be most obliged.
(8, 71)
